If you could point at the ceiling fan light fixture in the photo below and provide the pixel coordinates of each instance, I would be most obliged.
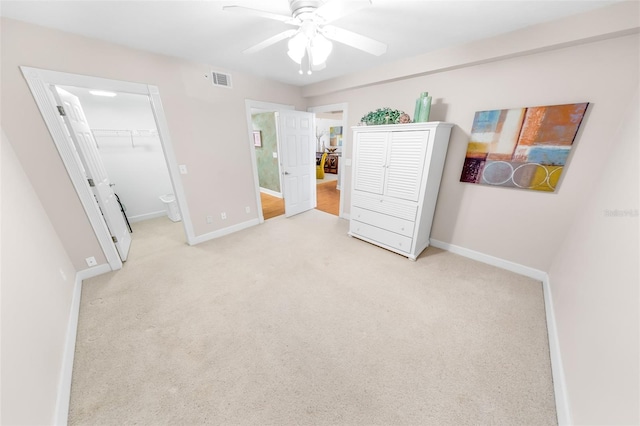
(321, 48)
(314, 36)
(297, 46)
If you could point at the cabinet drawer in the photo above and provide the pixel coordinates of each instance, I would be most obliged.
(390, 223)
(382, 236)
(404, 210)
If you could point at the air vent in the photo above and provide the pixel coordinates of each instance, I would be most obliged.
(220, 79)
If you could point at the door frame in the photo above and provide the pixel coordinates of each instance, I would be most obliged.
(271, 107)
(39, 81)
(345, 143)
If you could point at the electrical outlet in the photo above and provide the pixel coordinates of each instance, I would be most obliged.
(209, 219)
(183, 169)
(91, 261)
(223, 215)
(247, 209)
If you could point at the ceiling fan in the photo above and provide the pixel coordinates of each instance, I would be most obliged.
(314, 32)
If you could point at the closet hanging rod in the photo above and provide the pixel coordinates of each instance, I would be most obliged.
(127, 132)
(131, 133)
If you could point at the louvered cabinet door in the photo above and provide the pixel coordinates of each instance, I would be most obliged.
(370, 161)
(406, 164)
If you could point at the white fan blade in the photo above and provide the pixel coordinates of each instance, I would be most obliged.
(271, 40)
(352, 39)
(336, 9)
(261, 13)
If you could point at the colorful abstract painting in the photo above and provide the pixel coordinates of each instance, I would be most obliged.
(523, 148)
(335, 136)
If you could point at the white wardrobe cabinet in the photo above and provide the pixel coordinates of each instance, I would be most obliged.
(396, 178)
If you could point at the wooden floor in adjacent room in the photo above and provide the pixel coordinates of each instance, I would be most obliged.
(271, 206)
(328, 199)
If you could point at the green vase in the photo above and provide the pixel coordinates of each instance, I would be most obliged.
(420, 107)
(425, 109)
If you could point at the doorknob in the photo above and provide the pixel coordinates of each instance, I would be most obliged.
(286, 173)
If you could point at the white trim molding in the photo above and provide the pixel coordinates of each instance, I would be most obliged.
(94, 271)
(66, 372)
(271, 192)
(226, 231)
(491, 260)
(557, 367)
(147, 216)
(557, 370)
(39, 82)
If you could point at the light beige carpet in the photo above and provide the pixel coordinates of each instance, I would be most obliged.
(294, 323)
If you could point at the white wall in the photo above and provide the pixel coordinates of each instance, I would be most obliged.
(594, 281)
(37, 288)
(138, 169)
(207, 124)
(516, 225)
(592, 260)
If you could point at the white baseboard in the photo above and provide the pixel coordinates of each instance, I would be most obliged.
(270, 192)
(557, 370)
(225, 231)
(491, 260)
(64, 384)
(94, 271)
(66, 372)
(147, 216)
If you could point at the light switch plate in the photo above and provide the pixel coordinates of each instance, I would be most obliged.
(275, 155)
(183, 169)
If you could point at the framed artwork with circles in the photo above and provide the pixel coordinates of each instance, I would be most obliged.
(525, 148)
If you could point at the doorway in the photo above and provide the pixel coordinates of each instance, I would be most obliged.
(328, 197)
(40, 82)
(127, 146)
(126, 135)
(283, 156)
(331, 135)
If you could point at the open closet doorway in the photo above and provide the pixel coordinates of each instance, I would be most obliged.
(46, 86)
(127, 139)
(127, 148)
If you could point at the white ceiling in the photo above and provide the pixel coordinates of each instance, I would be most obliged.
(199, 30)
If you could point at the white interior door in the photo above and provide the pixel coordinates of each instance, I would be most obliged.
(96, 174)
(298, 161)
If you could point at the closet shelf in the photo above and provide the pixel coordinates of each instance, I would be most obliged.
(130, 133)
